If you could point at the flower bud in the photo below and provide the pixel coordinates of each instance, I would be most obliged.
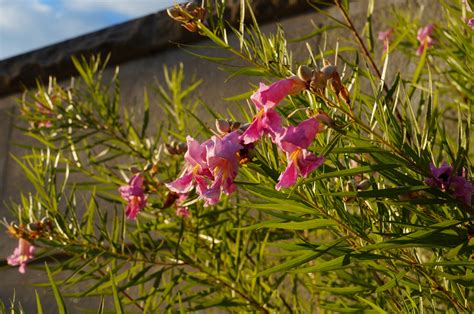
(222, 126)
(304, 73)
(235, 126)
(170, 149)
(46, 220)
(363, 185)
(328, 71)
(318, 82)
(325, 119)
(190, 6)
(182, 148)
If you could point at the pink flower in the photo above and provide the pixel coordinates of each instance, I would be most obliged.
(385, 38)
(223, 162)
(267, 120)
(133, 193)
(462, 189)
(443, 179)
(183, 212)
(294, 141)
(425, 39)
(470, 22)
(21, 255)
(196, 171)
(441, 176)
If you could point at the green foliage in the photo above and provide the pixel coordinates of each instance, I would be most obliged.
(395, 245)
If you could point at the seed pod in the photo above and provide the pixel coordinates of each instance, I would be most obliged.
(244, 127)
(222, 126)
(325, 119)
(33, 226)
(318, 82)
(46, 221)
(328, 71)
(182, 148)
(304, 73)
(235, 126)
(363, 185)
(190, 6)
(148, 166)
(171, 150)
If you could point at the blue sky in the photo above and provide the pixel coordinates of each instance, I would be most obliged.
(30, 24)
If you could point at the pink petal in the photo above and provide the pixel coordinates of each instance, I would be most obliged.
(136, 181)
(22, 268)
(463, 189)
(183, 184)
(302, 135)
(309, 162)
(288, 177)
(270, 96)
(183, 212)
(201, 185)
(196, 153)
(271, 121)
(253, 133)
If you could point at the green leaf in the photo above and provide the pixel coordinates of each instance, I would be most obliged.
(238, 97)
(350, 172)
(372, 305)
(291, 263)
(39, 308)
(392, 283)
(117, 301)
(340, 262)
(291, 225)
(424, 237)
(57, 295)
(342, 290)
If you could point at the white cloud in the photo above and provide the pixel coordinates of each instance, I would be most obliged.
(30, 24)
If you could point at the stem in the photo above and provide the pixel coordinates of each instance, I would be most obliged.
(351, 26)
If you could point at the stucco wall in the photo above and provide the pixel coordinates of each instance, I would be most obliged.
(145, 71)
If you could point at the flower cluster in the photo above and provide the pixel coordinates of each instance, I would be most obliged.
(444, 179)
(21, 255)
(211, 167)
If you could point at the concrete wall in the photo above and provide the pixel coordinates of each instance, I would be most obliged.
(145, 69)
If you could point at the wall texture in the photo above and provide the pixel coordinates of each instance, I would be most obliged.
(141, 48)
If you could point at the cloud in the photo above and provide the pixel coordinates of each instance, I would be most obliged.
(30, 24)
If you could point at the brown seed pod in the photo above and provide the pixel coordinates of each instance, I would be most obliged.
(304, 73)
(223, 126)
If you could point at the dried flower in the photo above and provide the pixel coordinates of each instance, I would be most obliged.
(188, 14)
(21, 255)
(133, 193)
(294, 141)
